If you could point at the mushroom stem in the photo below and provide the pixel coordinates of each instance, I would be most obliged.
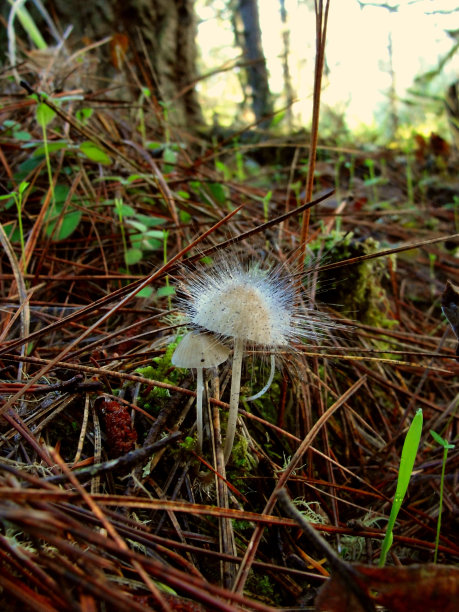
(234, 396)
(268, 384)
(199, 394)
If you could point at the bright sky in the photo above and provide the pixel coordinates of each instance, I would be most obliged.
(357, 51)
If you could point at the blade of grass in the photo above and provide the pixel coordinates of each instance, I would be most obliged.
(409, 451)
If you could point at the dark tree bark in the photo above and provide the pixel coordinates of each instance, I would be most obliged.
(159, 37)
(257, 73)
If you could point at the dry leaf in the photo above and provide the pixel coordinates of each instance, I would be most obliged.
(433, 588)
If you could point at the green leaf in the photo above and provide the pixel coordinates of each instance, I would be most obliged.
(13, 232)
(143, 241)
(170, 157)
(132, 177)
(94, 153)
(440, 440)
(151, 221)
(277, 118)
(409, 451)
(165, 291)
(66, 227)
(50, 147)
(69, 224)
(159, 234)
(223, 168)
(141, 227)
(146, 292)
(66, 222)
(125, 210)
(437, 438)
(219, 192)
(22, 135)
(22, 187)
(153, 244)
(84, 115)
(61, 193)
(132, 256)
(136, 240)
(44, 114)
(27, 166)
(155, 145)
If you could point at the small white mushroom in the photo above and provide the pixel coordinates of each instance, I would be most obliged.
(199, 351)
(252, 308)
(244, 312)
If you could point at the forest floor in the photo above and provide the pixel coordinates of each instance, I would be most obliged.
(106, 501)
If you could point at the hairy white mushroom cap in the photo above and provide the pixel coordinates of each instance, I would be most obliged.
(251, 306)
(198, 350)
(255, 306)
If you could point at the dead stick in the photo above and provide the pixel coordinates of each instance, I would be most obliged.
(344, 570)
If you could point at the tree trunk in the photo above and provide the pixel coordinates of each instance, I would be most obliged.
(257, 73)
(157, 36)
(288, 89)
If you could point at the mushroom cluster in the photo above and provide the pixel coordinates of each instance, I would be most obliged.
(246, 306)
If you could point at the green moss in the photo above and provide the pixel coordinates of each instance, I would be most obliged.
(189, 443)
(242, 525)
(263, 588)
(241, 457)
(360, 292)
(162, 371)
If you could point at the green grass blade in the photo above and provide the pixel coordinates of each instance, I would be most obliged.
(28, 24)
(409, 451)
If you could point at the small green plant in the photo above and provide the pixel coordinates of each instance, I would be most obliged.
(266, 201)
(83, 115)
(409, 451)
(142, 236)
(350, 166)
(446, 446)
(145, 93)
(239, 158)
(373, 181)
(18, 197)
(13, 129)
(119, 211)
(60, 222)
(44, 115)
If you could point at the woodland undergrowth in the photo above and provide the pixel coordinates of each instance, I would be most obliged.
(104, 496)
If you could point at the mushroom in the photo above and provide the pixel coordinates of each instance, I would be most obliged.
(199, 351)
(250, 306)
(245, 309)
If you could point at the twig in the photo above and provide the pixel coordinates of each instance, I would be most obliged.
(121, 463)
(305, 444)
(344, 570)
